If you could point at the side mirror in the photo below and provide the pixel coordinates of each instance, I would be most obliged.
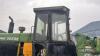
(22, 29)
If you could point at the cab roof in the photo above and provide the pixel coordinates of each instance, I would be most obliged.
(56, 8)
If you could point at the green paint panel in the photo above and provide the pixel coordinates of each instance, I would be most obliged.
(15, 37)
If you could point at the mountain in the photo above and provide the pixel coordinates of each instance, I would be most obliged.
(92, 29)
(1, 31)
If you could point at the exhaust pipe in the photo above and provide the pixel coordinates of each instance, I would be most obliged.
(11, 25)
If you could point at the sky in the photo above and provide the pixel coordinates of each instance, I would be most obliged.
(82, 12)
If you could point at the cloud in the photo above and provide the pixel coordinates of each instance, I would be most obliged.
(81, 11)
(96, 2)
(46, 3)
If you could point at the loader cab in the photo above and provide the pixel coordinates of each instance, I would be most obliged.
(51, 31)
(51, 24)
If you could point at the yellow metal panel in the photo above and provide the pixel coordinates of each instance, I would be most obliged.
(27, 49)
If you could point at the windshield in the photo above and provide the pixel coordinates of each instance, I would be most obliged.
(41, 27)
(59, 27)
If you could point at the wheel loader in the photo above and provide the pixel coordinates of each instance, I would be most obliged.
(51, 35)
